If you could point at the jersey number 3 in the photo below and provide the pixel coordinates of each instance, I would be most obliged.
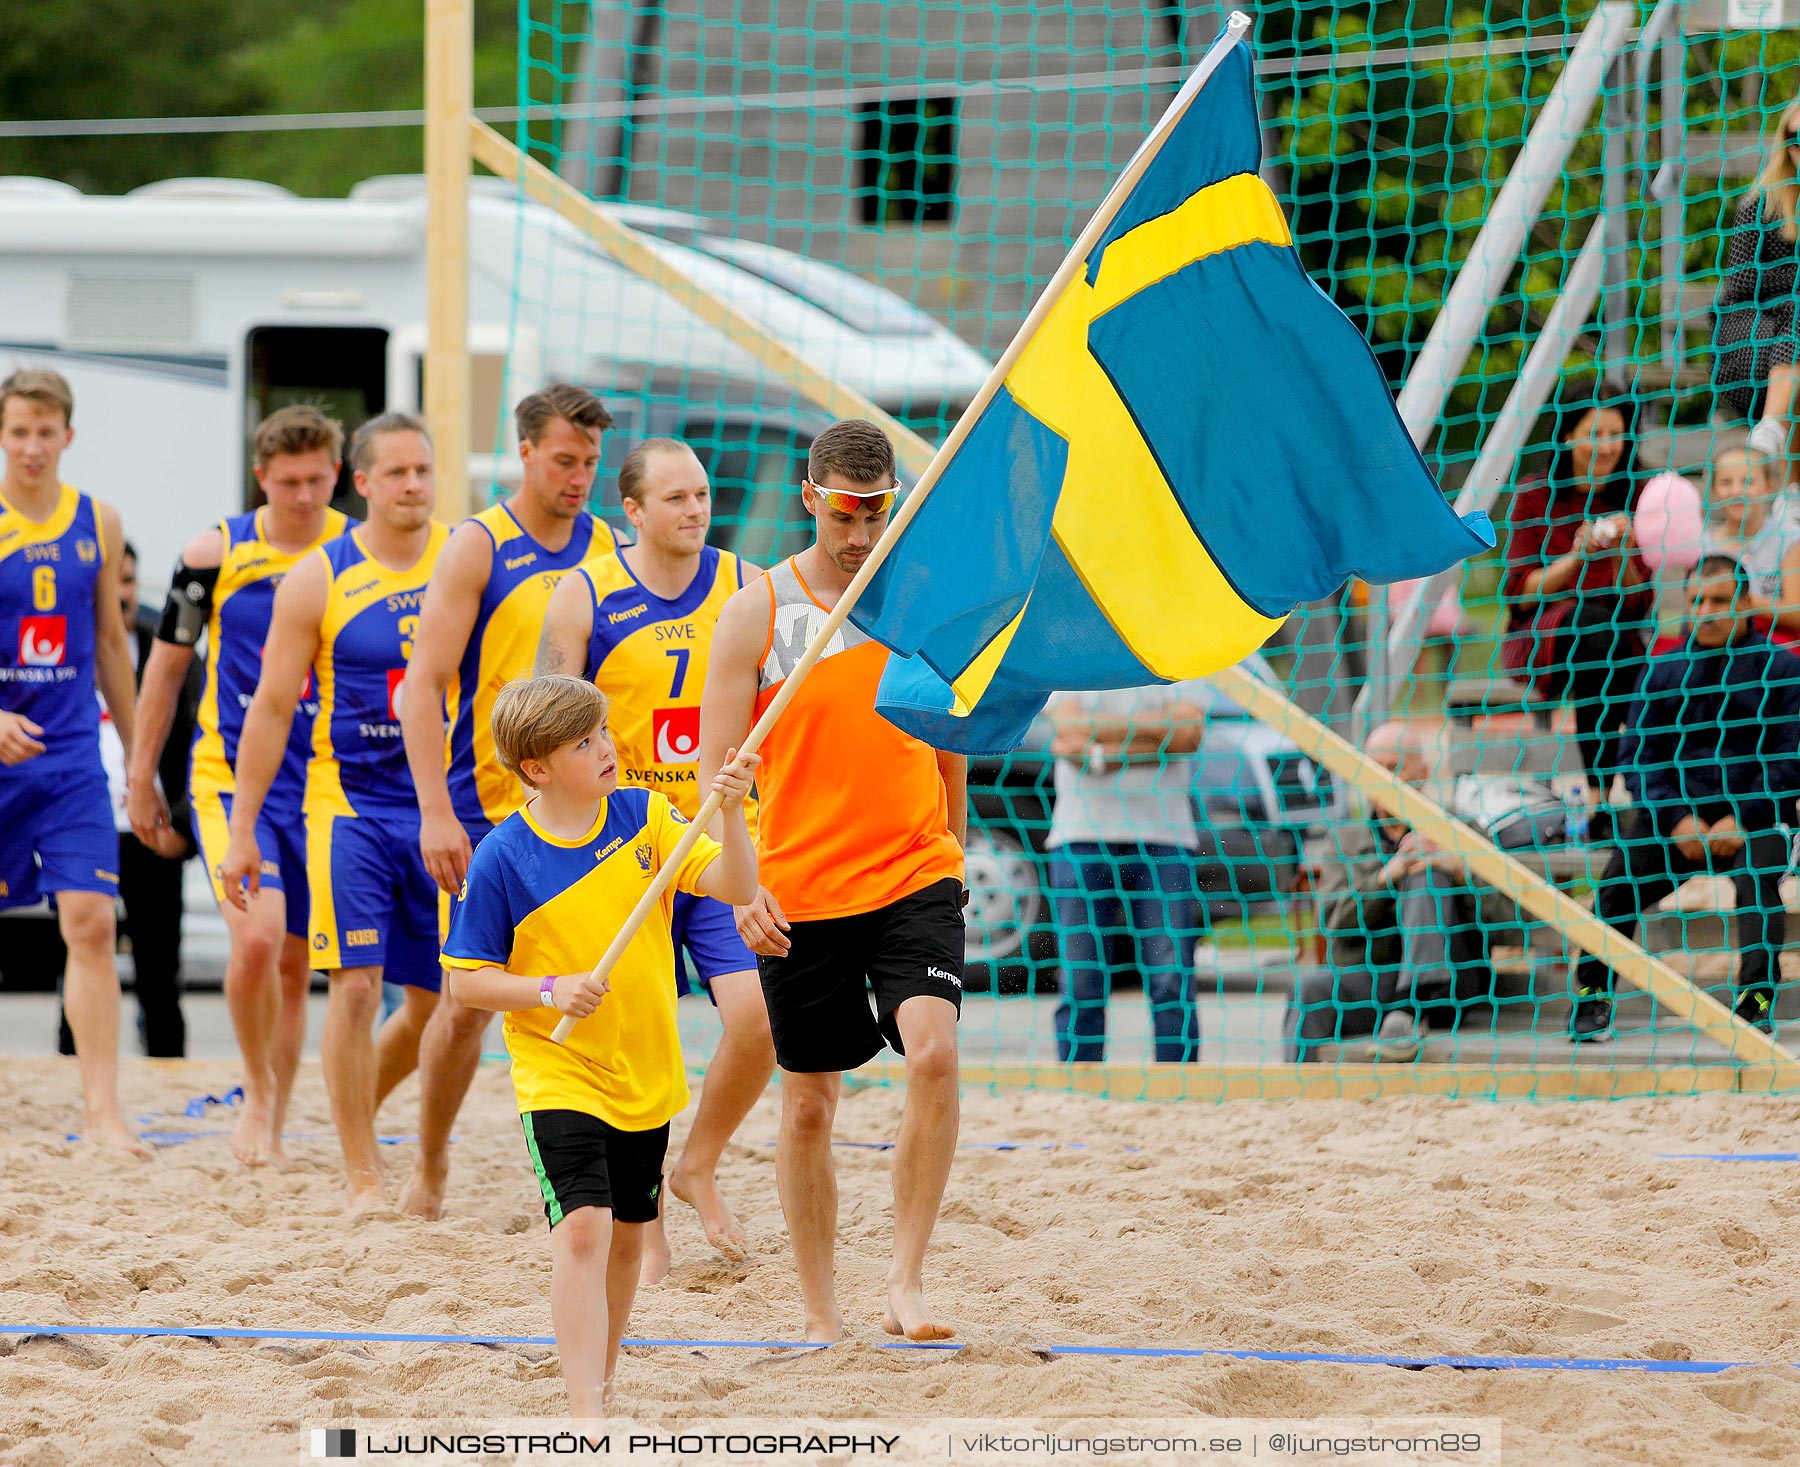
(43, 588)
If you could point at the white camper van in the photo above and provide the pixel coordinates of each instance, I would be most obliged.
(185, 311)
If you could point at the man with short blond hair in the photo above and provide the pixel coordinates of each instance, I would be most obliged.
(61, 639)
(349, 610)
(640, 623)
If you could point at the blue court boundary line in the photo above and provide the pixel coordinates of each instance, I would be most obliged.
(1728, 1156)
(1136, 1352)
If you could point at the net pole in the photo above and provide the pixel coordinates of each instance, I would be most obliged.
(914, 448)
(449, 100)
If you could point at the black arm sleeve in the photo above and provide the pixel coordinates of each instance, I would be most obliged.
(189, 606)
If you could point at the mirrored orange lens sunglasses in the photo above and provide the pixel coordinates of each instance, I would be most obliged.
(841, 501)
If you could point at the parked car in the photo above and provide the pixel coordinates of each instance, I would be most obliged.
(1255, 798)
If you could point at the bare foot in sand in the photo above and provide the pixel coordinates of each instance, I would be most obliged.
(824, 1329)
(655, 1267)
(253, 1139)
(701, 1192)
(364, 1194)
(907, 1315)
(110, 1133)
(423, 1195)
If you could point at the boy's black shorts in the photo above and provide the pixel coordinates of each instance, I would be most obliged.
(817, 993)
(583, 1162)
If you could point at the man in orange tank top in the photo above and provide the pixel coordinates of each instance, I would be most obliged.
(860, 846)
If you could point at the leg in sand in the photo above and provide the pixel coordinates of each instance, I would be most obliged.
(348, 1052)
(91, 998)
(290, 1032)
(448, 1056)
(624, 1260)
(254, 998)
(807, 1181)
(397, 1040)
(922, 1157)
(580, 1284)
(735, 1080)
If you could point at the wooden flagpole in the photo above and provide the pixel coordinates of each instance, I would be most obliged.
(911, 447)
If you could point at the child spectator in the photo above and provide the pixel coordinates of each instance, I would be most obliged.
(1757, 524)
(544, 895)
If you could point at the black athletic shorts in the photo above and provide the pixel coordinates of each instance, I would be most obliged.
(583, 1162)
(818, 992)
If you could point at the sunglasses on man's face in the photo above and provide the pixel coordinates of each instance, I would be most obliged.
(842, 501)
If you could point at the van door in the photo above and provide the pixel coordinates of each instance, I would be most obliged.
(341, 370)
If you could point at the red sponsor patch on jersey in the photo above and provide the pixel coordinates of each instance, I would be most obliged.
(676, 735)
(43, 641)
(396, 687)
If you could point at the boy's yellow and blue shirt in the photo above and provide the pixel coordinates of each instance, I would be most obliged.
(538, 906)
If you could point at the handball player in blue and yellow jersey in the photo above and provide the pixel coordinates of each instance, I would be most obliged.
(61, 635)
(478, 630)
(545, 894)
(224, 587)
(345, 618)
(640, 622)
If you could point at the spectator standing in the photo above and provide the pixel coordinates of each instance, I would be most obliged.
(1577, 589)
(1717, 747)
(1123, 840)
(1753, 335)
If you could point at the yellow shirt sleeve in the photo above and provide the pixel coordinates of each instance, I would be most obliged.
(667, 826)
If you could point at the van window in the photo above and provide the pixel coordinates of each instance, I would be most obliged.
(756, 469)
(341, 370)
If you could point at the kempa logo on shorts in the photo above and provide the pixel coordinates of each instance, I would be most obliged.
(361, 937)
(943, 973)
(320, 941)
(334, 1441)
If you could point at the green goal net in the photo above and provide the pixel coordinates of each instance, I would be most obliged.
(1546, 221)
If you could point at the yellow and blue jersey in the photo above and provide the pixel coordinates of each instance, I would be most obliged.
(540, 906)
(237, 629)
(502, 646)
(649, 656)
(365, 639)
(48, 573)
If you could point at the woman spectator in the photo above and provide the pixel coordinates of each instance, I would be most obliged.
(1578, 593)
(1753, 341)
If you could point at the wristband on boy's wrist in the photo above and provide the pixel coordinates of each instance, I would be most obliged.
(547, 992)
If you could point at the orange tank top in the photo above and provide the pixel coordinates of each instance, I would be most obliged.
(854, 815)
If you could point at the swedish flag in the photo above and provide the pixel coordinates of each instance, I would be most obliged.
(1193, 442)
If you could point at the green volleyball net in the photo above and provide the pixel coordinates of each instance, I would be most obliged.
(1529, 211)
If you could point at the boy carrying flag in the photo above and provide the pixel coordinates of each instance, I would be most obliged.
(545, 893)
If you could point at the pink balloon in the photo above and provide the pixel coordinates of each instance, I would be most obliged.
(1669, 523)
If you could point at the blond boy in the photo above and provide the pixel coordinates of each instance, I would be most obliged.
(545, 893)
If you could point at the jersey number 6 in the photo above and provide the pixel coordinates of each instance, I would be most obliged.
(43, 588)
